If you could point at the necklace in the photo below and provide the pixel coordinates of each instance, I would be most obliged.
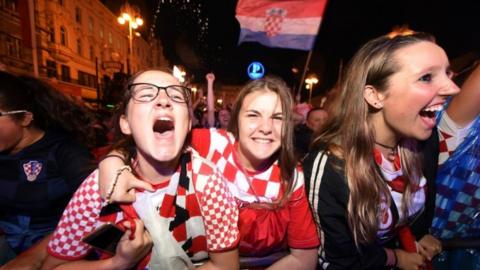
(393, 150)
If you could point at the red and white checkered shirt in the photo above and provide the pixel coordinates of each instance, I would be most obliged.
(265, 186)
(213, 214)
(393, 176)
(450, 136)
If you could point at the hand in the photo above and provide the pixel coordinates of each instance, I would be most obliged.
(124, 190)
(408, 260)
(429, 247)
(130, 251)
(210, 77)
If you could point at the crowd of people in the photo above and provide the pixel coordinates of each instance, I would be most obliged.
(386, 176)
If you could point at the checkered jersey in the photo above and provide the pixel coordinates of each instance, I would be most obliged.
(393, 175)
(79, 218)
(219, 146)
(212, 210)
(458, 181)
(450, 136)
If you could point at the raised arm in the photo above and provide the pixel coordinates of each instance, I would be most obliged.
(464, 107)
(210, 99)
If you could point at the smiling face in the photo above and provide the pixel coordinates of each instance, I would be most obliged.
(414, 93)
(259, 128)
(159, 127)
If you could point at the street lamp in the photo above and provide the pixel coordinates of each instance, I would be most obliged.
(131, 16)
(310, 81)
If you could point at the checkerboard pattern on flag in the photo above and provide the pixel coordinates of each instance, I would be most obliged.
(283, 24)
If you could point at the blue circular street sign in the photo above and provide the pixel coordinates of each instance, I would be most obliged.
(255, 70)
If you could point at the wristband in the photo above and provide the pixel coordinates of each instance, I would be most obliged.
(114, 183)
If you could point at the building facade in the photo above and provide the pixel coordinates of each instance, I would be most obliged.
(76, 45)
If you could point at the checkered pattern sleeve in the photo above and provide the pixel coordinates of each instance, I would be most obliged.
(218, 206)
(450, 136)
(79, 218)
(302, 230)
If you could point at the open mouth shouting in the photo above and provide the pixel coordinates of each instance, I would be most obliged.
(163, 127)
(428, 114)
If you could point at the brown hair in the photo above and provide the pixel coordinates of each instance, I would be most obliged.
(122, 142)
(286, 157)
(349, 134)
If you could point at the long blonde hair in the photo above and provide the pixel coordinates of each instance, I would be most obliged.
(349, 134)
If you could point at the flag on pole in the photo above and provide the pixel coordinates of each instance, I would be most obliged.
(289, 24)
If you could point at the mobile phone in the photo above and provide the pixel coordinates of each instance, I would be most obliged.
(105, 237)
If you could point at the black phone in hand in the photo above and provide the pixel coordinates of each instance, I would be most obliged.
(105, 237)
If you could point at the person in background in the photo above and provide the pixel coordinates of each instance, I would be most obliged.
(190, 216)
(256, 157)
(223, 118)
(371, 175)
(316, 117)
(44, 157)
(218, 119)
(457, 213)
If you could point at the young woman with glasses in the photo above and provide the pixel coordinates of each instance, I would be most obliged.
(190, 216)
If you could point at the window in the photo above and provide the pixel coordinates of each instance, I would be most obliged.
(9, 5)
(13, 47)
(101, 32)
(51, 34)
(61, 2)
(110, 38)
(78, 15)
(86, 79)
(90, 25)
(65, 73)
(51, 69)
(79, 47)
(63, 36)
(91, 53)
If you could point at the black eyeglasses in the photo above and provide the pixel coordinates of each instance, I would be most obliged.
(12, 112)
(146, 92)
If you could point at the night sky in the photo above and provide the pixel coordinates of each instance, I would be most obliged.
(202, 35)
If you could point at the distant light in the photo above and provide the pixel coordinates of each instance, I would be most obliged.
(255, 70)
(126, 16)
(179, 74)
(110, 106)
(121, 20)
(139, 21)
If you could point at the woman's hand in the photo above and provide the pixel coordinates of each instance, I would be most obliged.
(130, 251)
(124, 189)
(429, 247)
(409, 260)
(210, 77)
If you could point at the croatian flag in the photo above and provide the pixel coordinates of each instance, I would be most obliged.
(289, 24)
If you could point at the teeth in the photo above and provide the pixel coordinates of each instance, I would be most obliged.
(434, 108)
(262, 140)
(165, 118)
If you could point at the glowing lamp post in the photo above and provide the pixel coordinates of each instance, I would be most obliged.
(131, 16)
(310, 81)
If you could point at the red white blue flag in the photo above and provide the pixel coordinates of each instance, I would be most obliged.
(289, 24)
